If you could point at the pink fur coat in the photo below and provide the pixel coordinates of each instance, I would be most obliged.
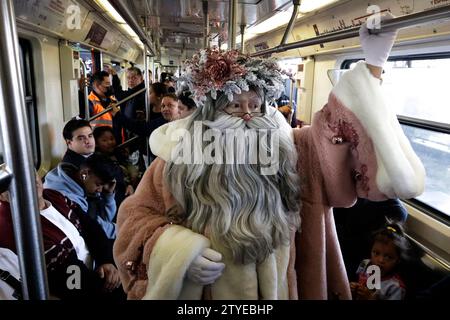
(355, 147)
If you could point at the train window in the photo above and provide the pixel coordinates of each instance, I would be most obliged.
(417, 87)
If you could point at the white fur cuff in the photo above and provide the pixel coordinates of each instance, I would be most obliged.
(400, 172)
(172, 255)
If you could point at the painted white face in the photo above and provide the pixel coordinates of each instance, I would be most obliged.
(245, 105)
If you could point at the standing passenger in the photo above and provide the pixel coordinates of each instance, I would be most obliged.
(186, 105)
(169, 107)
(141, 127)
(220, 220)
(135, 83)
(100, 98)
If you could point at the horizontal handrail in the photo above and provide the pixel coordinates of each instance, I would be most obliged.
(117, 104)
(433, 255)
(395, 23)
(124, 144)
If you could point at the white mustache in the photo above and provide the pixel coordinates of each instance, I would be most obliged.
(226, 121)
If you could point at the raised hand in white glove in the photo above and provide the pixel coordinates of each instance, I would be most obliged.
(206, 268)
(377, 46)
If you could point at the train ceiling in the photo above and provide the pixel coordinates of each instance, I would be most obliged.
(176, 26)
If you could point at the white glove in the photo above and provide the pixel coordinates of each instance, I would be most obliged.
(206, 268)
(377, 46)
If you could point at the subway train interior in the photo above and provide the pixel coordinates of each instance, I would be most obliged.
(53, 50)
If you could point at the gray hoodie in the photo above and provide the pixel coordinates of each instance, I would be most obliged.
(58, 179)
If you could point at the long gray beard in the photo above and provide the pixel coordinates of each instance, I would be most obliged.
(239, 208)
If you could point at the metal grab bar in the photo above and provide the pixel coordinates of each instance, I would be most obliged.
(438, 259)
(205, 24)
(117, 104)
(232, 20)
(147, 101)
(17, 149)
(291, 23)
(396, 23)
(86, 91)
(126, 143)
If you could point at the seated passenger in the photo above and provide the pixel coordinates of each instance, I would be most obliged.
(72, 240)
(355, 226)
(389, 251)
(91, 187)
(80, 141)
(105, 146)
(10, 286)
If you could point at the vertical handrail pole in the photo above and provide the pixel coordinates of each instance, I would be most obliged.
(291, 99)
(147, 102)
(17, 148)
(242, 37)
(86, 92)
(232, 16)
(205, 24)
(153, 72)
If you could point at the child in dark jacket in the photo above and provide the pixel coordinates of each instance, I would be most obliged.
(105, 145)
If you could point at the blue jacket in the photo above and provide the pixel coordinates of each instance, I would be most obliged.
(58, 179)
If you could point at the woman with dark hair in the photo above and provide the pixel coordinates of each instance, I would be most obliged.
(91, 187)
(186, 105)
(156, 93)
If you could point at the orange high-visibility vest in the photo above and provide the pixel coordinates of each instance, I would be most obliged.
(104, 120)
